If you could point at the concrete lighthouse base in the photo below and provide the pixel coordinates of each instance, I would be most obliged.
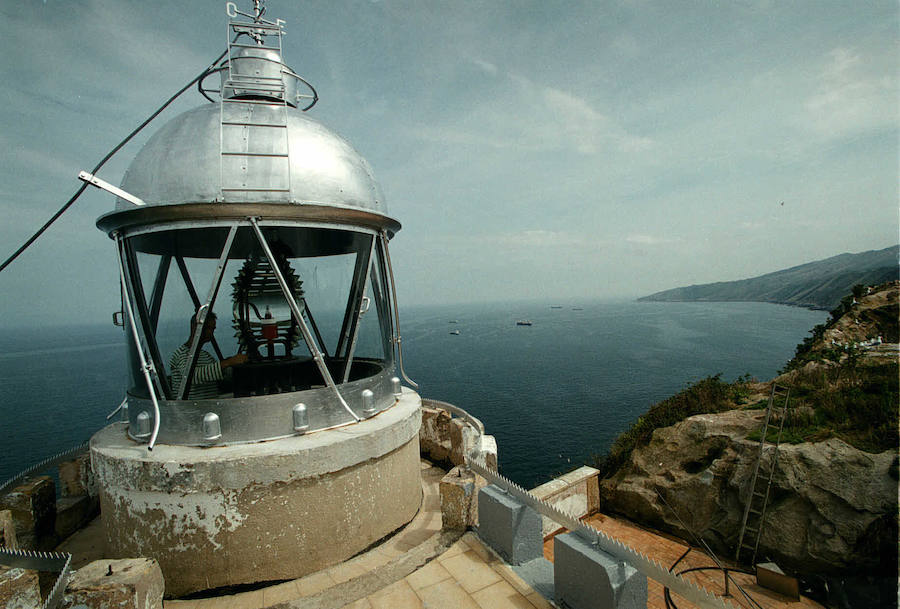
(266, 511)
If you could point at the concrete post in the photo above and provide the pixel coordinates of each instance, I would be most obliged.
(458, 499)
(512, 529)
(584, 577)
(7, 530)
(33, 507)
(129, 583)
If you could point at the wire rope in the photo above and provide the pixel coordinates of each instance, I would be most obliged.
(103, 161)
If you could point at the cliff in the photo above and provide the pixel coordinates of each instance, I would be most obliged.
(833, 504)
(817, 285)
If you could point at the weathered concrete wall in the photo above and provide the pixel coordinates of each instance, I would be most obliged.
(577, 493)
(259, 512)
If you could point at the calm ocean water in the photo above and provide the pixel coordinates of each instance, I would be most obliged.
(554, 394)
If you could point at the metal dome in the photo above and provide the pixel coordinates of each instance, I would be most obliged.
(183, 162)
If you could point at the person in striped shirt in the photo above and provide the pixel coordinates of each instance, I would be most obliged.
(208, 371)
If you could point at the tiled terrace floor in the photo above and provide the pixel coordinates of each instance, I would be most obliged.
(464, 576)
(668, 549)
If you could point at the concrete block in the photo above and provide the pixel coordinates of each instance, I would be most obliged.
(7, 530)
(462, 440)
(434, 435)
(488, 450)
(77, 478)
(33, 507)
(584, 577)
(511, 528)
(129, 583)
(74, 512)
(458, 499)
(19, 589)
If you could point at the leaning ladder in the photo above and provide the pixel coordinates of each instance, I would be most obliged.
(761, 482)
(253, 135)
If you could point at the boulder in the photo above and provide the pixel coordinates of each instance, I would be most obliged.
(832, 507)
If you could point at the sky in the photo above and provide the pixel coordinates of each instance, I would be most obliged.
(532, 150)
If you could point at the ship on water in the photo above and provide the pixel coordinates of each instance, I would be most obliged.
(305, 468)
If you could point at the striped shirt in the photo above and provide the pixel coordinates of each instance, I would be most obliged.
(207, 373)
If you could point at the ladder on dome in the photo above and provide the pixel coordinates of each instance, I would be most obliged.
(253, 134)
(763, 471)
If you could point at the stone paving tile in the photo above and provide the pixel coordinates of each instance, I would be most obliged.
(457, 548)
(447, 594)
(539, 601)
(280, 593)
(346, 571)
(246, 600)
(471, 571)
(501, 596)
(432, 573)
(362, 603)
(314, 583)
(398, 595)
(512, 578)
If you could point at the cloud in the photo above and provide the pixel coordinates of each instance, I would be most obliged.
(641, 239)
(852, 98)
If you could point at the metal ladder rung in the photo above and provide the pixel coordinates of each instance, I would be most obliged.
(255, 154)
(255, 46)
(255, 87)
(242, 124)
(239, 77)
(251, 189)
(261, 102)
(756, 512)
(248, 27)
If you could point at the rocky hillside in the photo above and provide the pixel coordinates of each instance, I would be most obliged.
(816, 285)
(833, 507)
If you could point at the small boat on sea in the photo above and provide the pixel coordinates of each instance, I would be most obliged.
(577, 309)
(454, 332)
(555, 306)
(453, 321)
(523, 322)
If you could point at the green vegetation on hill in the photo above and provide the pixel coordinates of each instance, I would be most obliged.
(711, 394)
(838, 388)
(817, 285)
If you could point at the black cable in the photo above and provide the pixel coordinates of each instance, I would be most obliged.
(118, 147)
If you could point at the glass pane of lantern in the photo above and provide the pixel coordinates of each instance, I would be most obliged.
(374, 331)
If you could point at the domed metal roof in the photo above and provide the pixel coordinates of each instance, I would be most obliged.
(211, 153)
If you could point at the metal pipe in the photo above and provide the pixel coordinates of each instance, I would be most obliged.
(145, 369)
(295, 310)
(397, 339)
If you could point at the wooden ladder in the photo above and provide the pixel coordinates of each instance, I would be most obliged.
(761, 481)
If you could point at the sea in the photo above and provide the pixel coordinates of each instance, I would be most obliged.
(555, 393)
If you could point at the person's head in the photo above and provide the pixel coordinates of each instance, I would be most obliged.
(209, 329)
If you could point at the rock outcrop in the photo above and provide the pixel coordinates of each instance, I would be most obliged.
(832, 507)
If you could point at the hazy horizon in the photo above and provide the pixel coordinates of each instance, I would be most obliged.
(531, 151)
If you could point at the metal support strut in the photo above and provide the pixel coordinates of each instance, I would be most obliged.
(298, 315)
(145, 367)
(396, 338)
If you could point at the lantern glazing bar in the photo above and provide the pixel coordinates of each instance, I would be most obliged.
(138, 302)
(192, 292)
(360, 311)
(159, 286)
(145, 369)
(298, 315)
(312, 322)
(363, 263)
(203, 314)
